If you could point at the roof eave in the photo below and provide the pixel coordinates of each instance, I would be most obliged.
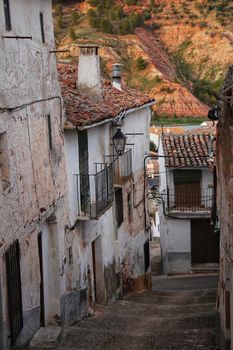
(111, 119)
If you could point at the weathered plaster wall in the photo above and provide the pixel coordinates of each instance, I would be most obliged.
(35, 184)
(127, 242)
(175, 233)
(132, 233)
(225, 207)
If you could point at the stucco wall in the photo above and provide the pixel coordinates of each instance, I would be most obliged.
(118, 245)
(175, 233)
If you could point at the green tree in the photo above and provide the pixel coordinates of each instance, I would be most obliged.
(141, 63)
(72, 34)
(125, 27)
(74, 18)
(58, 10)
(106, 25)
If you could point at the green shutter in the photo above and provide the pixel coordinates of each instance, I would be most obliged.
(186, 176)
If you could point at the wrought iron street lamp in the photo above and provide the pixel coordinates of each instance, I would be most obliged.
(119, 141)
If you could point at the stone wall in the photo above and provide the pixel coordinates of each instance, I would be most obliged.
(225, 208)
(32, 167)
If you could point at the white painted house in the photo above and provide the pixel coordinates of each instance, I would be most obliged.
(33, 212)
(109, 241)
(186, 190)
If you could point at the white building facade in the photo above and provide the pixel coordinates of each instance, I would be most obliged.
(106, 191)
(32, 173)
(186, 199)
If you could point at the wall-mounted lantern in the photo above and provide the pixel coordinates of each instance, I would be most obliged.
(214, 113)
(119, 141)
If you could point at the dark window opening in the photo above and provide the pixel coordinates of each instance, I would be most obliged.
(119, 207)
(7, 14)
(50, 132)
(42, 27)
(187, 188)
(84, 170)
(130, 211)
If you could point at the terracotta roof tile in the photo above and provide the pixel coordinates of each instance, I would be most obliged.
(81, 110)
(188, 150)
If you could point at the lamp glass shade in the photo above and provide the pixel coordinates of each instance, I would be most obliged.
(119, 141)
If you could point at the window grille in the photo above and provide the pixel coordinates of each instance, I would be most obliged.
(15, 309)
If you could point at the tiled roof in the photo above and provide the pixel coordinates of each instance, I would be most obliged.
(81, 110)
(188, 150)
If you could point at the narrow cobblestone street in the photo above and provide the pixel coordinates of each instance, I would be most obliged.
(150, 320)
(178, 313)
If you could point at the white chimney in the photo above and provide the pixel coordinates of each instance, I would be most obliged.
(116, 75)
(89, 80)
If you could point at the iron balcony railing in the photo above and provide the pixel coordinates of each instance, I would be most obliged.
(95, 191)
(122, 167)
(188, 200)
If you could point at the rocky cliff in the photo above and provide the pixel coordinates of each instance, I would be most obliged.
(179, 56)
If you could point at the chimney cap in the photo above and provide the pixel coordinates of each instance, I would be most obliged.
(88, 50)
(88, 46)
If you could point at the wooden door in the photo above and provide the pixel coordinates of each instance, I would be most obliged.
(204, 242)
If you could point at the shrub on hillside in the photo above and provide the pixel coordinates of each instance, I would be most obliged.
(141, 63)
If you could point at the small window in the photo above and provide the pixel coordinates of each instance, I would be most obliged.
(42, 27)
(50, 132)
(7, 14)
(119, 207)
(130, 211)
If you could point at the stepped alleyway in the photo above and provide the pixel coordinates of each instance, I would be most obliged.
(178, 313)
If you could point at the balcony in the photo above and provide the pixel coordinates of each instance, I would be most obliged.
(95, 192)
(123, 168)
(188, 201)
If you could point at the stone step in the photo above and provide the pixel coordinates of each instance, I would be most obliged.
(46, 338)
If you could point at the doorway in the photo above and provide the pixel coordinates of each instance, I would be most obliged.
(49, 271)
(40, 250)
(204, 242)
(98, 273)
(14, 293)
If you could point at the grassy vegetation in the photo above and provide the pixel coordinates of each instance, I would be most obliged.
(166, 120)
(205, 89)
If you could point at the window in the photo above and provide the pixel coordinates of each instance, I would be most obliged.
(42, 27)
(7, 14)
(119, 207)
(50, 132)
(187, 188)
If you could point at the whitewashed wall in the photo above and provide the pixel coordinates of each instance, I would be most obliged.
(128, 240)
(175, 233)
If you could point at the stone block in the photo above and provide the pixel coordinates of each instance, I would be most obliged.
(46, 338)
(73, 306)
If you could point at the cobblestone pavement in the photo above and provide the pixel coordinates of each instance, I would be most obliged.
(161, 283)
(180, 320)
